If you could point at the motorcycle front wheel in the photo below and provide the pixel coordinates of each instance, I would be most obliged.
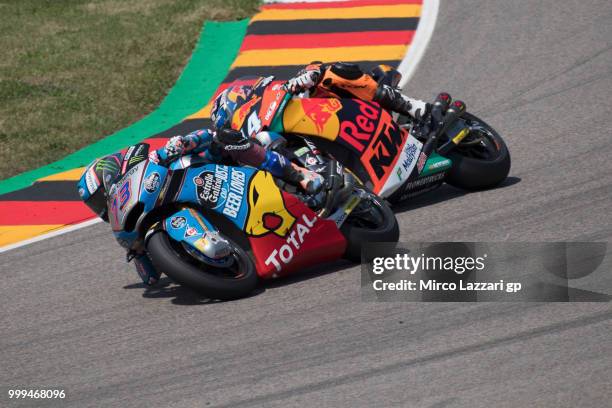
(371, 221)
(481, 160)
(236, 280)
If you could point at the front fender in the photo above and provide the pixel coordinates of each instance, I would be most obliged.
(199, 237)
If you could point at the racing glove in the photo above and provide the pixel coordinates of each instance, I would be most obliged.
(305, 79)
(174, 147)
(195, 142)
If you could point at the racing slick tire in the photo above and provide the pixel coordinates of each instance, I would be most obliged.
(373, 222)
(214, 283)
(481, 160)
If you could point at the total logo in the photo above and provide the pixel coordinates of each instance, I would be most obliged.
(284, 255)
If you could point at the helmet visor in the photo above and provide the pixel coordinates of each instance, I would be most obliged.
(97, 202)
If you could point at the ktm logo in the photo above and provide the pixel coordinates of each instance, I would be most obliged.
(385, 149)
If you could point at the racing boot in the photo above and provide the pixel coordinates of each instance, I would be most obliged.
(392, 99)
(144, 267)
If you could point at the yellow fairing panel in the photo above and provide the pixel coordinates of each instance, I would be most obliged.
(313, 116)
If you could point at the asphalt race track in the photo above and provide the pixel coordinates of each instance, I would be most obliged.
(74, 315)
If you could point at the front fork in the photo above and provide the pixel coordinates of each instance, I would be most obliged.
(444, 116)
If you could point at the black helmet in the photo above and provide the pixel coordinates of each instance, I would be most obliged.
(97, 179)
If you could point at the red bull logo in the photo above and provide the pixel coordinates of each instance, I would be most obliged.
(236, 92)
(319, 111)
(242, 112)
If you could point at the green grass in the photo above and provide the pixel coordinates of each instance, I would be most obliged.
(72, 72)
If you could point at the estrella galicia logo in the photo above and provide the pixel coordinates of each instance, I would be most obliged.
(209, 189)
(151, 183)
(178, 222)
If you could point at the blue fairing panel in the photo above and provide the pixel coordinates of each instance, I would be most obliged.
(188, 226)
(154, 177)
(219, 188)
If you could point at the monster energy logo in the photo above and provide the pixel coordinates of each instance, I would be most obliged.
(105, 164)
(135, 159)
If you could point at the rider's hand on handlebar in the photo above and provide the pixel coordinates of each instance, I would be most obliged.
(304, 80)
(175, 147)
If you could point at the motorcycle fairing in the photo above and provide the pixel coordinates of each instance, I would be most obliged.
(260, 108)
(188, 160)
(247, 197)
(358, 133)
(273, 99)
(313, 116)
(124, 195)
(435, 164)
(133, 155)
(188, 226)
(154, 177)
(386, 154)
(381, 158)
(268, 216)
(309, 240)
(403, 167)
(219, 188)
(282, 233)
(140, 184)
(268, 211)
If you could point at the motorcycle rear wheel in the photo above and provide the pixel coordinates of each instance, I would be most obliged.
(236, 281)
(481, 160)
(371, 221)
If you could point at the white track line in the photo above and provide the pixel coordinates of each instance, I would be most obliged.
(425, 29)
(62, 230)
(407, 67)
